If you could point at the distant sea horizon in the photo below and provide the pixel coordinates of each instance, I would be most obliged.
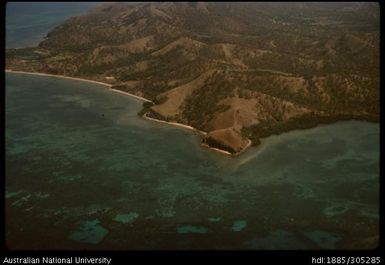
(27, 23)
(84, 171)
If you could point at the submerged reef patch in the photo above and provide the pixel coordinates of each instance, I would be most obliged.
(190, 229)
(90, 232)
(126, 218)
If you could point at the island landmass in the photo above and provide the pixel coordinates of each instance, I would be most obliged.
(232, 72)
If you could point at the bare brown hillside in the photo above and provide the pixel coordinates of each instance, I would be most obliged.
(237, 71)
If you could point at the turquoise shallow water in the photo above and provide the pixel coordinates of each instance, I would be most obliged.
(126, 218)
(84, 171)
(90, 232)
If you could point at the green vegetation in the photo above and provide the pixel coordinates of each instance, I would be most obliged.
(160, 99)
(305, 121)
(216, 144)
(146, 108)
(321, 58)
(201, 106)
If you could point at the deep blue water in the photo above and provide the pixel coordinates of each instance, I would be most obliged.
(27, 23)
(84, 171)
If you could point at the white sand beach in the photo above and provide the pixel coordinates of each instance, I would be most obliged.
(175, 124)
(216, 149)
(137, 97)
(59, 76)
(81, 79)
(131, 95)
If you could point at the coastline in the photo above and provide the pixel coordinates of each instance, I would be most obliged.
(201, 133)
(366, 118)
(59, 76)
(80, 79)
(217, 150)
(131, 95)
(175, 124)
(246, 147)
(226, 152)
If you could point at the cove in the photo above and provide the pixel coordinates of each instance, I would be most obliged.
(90, 154)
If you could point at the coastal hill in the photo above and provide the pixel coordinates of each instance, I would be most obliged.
(237, 71)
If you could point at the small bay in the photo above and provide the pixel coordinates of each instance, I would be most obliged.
(85, 148)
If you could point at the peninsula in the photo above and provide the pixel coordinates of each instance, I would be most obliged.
(235, 72)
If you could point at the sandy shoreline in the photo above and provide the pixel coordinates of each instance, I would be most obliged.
(131, 95)
(175, 124)
(226, 152)
(246, 147)
(200, 132)
(83, 80)
(216, 149)
(136, 97)
(59, 76)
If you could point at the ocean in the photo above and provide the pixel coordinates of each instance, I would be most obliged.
(84, 171)
(27, 23)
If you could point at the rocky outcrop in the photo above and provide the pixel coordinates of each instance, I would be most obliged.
(228, 139)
